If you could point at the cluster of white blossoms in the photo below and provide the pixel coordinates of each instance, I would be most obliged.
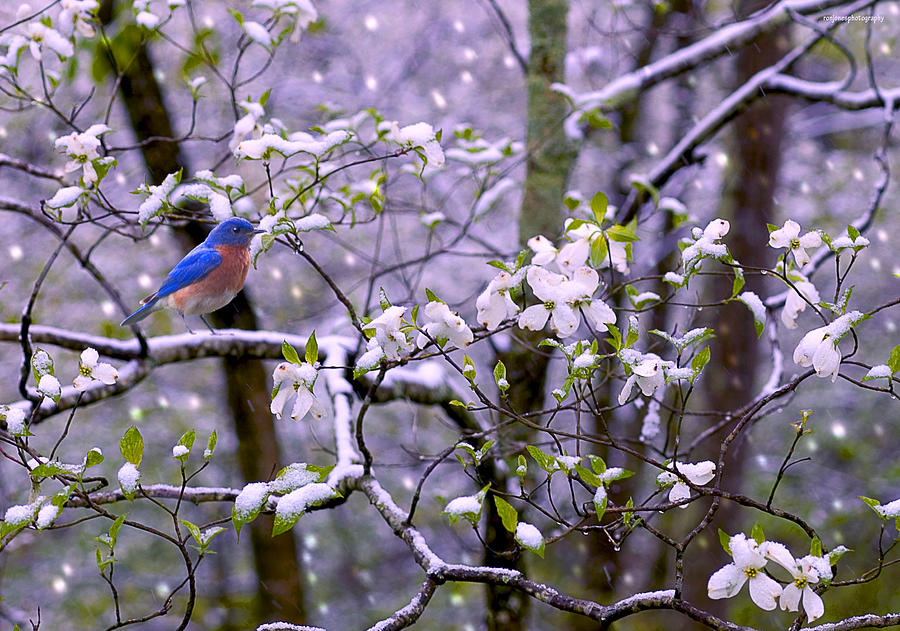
(750, 558)
(698, 473)
(564, 294)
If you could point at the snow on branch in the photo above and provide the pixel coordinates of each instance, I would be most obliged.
(441, 571)
(724, 40)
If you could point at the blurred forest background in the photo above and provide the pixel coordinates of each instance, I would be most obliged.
(473, 69)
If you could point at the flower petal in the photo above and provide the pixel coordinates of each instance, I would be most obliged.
(764, 591)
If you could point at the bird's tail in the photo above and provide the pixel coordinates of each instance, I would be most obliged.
(149, 307)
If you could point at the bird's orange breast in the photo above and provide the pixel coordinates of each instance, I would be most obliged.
(219, 287)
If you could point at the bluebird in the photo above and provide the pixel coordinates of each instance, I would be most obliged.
(207, 278)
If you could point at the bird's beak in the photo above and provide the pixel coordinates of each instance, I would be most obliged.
(258, 231)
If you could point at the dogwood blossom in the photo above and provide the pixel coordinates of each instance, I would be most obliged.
(294, 382)
(574, 254)
(795, 303)
(748, 561)
(41, 36)
(76, 15)
(819, 350)
(388, 334)
(495, 305)
(82, 150)
(699, 473)
(804, 572)
(706, 243)
(444, 325)
(91, 369)
(819, 347)
(561, 298)
(646, 372)
(789, 237)
(544, 252)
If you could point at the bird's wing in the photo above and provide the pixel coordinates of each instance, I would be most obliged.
(193, 267)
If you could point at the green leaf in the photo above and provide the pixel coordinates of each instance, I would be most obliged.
(599, 204)
(597, 464)
(211, 445)
(41, 364)
(186, 441)
(289, 353)
(894, 360)
(114, 530)
(500, 377)
(852, 232)
(193, 529)
(468, 369)
(508, 515)
(93, 457)
(757, 534)
(383, 301)
(815, 547)
(874, 505)
(132, 446)
(700, 360)
(622, 234)
(312, 349)
(588, 476)
(725, 541)
(738, 283)
(628, 516)
(616, 340)
(545, 462)
(500, 265)
(521, 466)
(601, 499)
(537, 549)
(432, 297)
(237, 15)
(599, 250)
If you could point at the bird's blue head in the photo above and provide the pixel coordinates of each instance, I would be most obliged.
(234, 231)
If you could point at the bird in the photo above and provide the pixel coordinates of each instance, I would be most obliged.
(207, 278)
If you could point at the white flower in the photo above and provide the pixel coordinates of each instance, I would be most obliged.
(82, 150)
(573, 255)
(76, 15)
(804, 572)
(444, 325)
(294, 382)
(544, 252)
(795, 303)
(789, 237)
(706, 243)
(699, 473)
(495, 305)
(41, 36)
(818, 349)
(647, 374)
(90, 369)
(748, 561)
(390, 338)
(561, 298)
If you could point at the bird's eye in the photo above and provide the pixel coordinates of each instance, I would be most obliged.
(235, 229)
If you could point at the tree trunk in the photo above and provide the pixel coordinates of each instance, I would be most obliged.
(747, 202)
(550, 158)
(279, 590)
